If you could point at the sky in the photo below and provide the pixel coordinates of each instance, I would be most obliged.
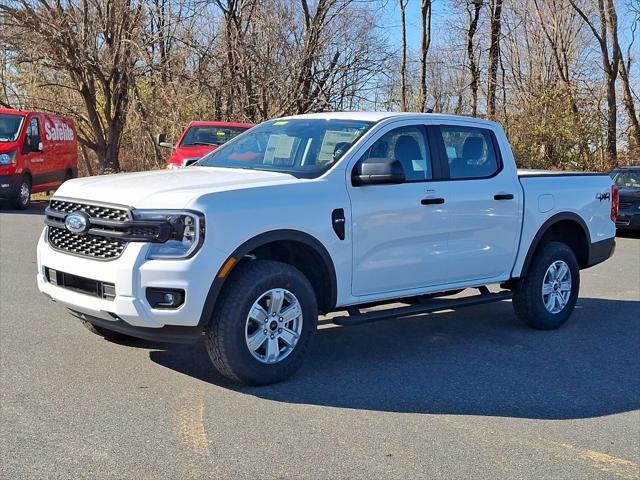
(441, 8)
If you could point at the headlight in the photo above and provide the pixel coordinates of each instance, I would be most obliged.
(7, 158)
(186, 237)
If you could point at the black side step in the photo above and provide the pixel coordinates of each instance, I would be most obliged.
(426, 306)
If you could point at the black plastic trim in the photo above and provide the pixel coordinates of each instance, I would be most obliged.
(263, 239)
(562, 174)
(427, 306)
(166, 334)
(601, 251)
(544, 228)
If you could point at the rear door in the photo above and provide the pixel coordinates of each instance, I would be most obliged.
(481, 206)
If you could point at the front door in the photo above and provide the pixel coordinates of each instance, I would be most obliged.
(398, 243)
(34, 160)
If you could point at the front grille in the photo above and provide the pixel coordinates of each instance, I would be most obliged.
(94, 211)
(87, 245)
(103, 247)
(88, 286)
(625, 205)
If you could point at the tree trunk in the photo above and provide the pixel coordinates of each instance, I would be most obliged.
(634, 125)
(425, 42)
(494, 55)
(403, 64)
(473, 67)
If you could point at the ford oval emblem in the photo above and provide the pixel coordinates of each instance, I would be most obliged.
(77, 222)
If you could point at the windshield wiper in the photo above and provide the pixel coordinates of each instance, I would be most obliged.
(202, 143)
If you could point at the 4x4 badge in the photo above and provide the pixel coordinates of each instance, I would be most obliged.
(603, 196)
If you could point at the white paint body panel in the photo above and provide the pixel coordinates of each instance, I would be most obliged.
(394, 247)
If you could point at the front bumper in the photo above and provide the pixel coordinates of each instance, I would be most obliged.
(131, 274)
(9, 184)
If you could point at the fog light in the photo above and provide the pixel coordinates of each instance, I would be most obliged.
(165, 298)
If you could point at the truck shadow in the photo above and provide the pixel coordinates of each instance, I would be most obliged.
(478, 361)
(37, 208)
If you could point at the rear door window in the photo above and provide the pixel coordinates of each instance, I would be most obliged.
(470, 151)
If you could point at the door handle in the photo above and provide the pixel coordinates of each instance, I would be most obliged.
(503, 196)
(432, 201)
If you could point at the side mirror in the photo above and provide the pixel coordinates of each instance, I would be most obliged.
(161, 140)
(377, 171)
(32, 144)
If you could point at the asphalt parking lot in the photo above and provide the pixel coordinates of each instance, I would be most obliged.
(466, 394)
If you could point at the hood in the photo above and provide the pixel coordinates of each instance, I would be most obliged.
(196, 151)
(6, 147)
(166, 188)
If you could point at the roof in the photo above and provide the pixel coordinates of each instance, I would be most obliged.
(378, 116)
(15, 112)
(202, 123)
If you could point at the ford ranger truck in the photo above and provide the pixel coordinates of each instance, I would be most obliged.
(313, 214)
(38, 152)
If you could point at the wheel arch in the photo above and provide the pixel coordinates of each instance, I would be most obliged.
(567, 227)
(288, 246)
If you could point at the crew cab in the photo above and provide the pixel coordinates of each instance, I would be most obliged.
(38, 151)
(320, 213)
(198, 139)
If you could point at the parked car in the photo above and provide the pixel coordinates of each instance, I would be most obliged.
(628, 181)
(38, 151)
(320, 213)
(198, 139)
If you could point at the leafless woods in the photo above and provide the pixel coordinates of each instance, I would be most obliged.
(561, 75)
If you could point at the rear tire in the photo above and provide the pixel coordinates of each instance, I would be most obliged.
(256, 336)
(103, 332)
(547, 295)
(22, 197)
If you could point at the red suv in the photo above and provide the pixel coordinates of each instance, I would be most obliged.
(200, 138)
(38, 152)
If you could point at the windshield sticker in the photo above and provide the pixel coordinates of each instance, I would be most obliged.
(281, 122)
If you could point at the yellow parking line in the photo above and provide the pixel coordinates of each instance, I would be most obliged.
(190, 424)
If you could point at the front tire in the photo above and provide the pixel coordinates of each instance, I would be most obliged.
(546, 297)
(22, 197)
(263, 324)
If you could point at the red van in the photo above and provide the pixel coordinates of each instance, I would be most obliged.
(38, 152)
(200, 138)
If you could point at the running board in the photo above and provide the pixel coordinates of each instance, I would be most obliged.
(426, 306)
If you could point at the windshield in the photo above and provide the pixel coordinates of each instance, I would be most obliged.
(304, 148)
(627, 179)
(10, 127)
(206, 135)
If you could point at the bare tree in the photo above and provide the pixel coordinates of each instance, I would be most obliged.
(495, 7)
(624, 68)
(425, 42)
(474, 8)
(610, 63)
(403, 63)
(95, 43)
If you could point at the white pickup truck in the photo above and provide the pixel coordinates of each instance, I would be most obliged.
(320, 213)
